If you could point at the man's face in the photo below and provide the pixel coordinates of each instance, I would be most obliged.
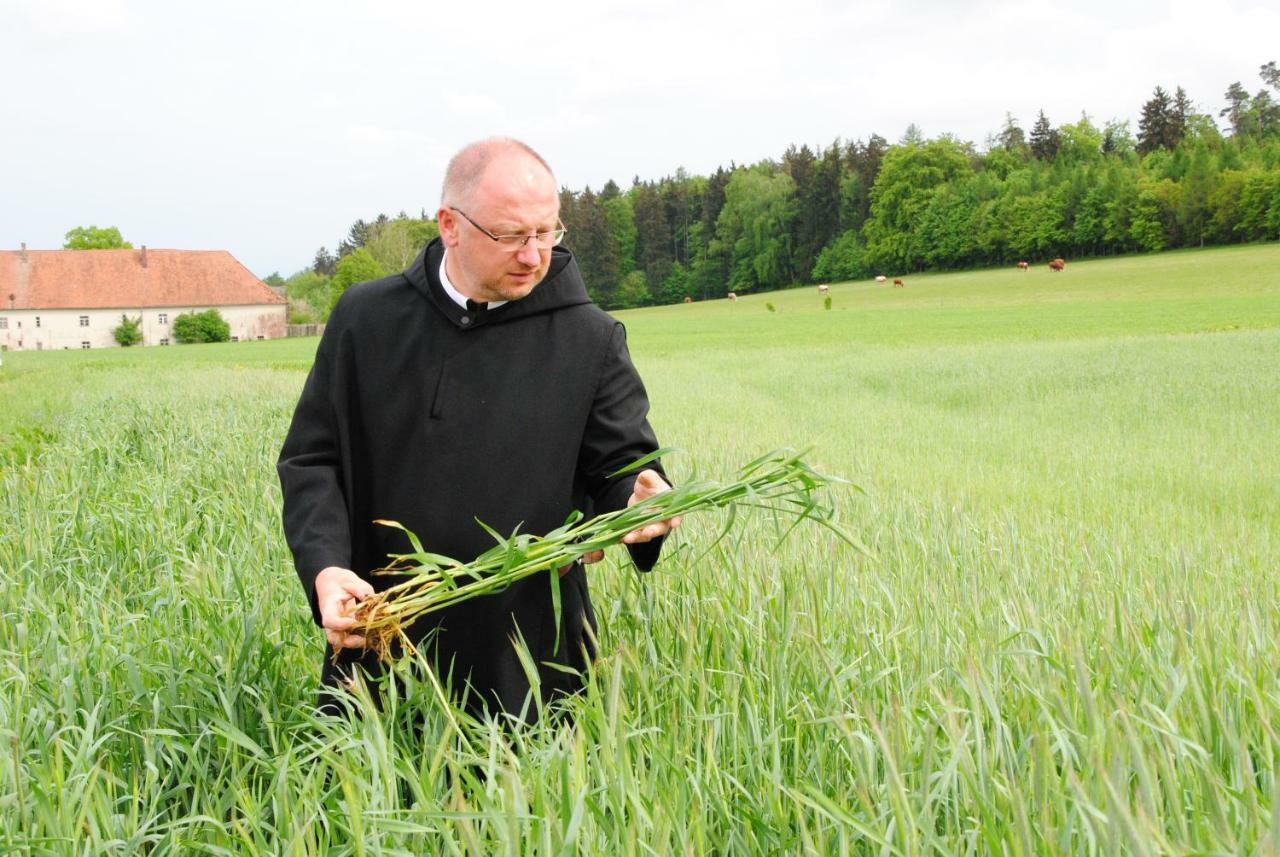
(515, 196)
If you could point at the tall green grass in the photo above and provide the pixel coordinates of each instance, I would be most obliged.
(1067, 643)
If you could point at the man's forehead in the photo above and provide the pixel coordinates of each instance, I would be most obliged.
(518, 198)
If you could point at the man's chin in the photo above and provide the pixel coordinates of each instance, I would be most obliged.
(515, 288)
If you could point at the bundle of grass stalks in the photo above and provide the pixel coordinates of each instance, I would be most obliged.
(779, 481)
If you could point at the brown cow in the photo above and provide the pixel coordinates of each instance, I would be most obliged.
(1057, 265)
(1023, 266)
(688, 299)
(897, 283)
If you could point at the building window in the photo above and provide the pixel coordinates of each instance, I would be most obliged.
(164, 340)
(84, 344)
(4, 323)
(37, 321)
(84, 321)
(164, 318)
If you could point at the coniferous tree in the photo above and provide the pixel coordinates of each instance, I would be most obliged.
(1180, 118)
(597, 254)
(1012, 138)
(1270, 75)
(826, 195)
(356, 238)
(653, 247)
(1045, 139)
(1237, 110)
(325, 262)
(807, 235)
(1264, 114)
(1156, 125)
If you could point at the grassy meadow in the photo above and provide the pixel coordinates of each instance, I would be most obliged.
(1067, 641)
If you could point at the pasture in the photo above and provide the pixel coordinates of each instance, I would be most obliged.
(1068, 640)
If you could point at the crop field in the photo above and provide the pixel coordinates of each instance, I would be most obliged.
(1067, 640)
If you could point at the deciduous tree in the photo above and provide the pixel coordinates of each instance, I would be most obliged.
(95, 238)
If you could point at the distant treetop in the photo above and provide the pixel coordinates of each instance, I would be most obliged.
(93, 238)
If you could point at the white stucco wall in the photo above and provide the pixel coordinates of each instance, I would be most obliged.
(56, 329)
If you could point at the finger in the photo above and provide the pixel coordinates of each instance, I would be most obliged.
(645, 534)
(652, 479)
(565, 569)
(339, 640)
(593, 556)
(336, 621)
(359, 590)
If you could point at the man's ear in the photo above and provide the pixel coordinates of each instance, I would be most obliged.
(448, 223)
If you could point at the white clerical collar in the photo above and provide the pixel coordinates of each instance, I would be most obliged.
(454, 295)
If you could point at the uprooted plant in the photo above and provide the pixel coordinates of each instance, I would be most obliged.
(780, 482)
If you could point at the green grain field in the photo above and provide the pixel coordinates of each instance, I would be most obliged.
(1068, 641)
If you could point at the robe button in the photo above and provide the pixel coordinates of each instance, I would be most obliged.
(466, 319)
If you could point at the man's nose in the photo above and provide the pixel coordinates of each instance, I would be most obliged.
(529, 254)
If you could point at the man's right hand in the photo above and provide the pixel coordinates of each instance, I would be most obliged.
(338, 591)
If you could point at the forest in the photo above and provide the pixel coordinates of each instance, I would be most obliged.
(853, 209)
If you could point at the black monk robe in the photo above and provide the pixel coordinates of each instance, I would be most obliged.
(419, 411)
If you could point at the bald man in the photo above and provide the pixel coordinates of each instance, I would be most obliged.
(480, 384)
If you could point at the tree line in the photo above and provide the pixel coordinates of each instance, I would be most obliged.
(853, 209)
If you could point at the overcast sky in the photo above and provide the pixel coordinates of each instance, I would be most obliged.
(266, 128)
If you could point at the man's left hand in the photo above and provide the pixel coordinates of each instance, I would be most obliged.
(648, 483)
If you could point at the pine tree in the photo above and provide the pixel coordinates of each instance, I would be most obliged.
(653, 236)
(1180, 118)
(806, 227)
(1154, 128)
(1270, 75)
(1012, 138)
(1265, 113)
(1237, 110)
(1045, 139)
(325, 262)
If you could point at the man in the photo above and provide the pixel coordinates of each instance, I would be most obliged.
(481, 384)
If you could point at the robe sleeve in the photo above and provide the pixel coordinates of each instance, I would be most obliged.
(315, 516)
(618, 433)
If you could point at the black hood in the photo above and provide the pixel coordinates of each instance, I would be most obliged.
(562, 287)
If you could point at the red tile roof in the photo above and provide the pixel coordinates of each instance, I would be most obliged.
(102, 279)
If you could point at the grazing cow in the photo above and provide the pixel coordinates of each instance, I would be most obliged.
(688, 299)
(1023, 266)
(732, 296)
(881, 278)
(897, 283)
(823, 289)
(1057, 265)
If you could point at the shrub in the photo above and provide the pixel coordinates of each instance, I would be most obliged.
(207, 326)
(128, 332)
(633, 291)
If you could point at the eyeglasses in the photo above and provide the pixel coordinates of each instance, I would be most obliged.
(541, 240)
